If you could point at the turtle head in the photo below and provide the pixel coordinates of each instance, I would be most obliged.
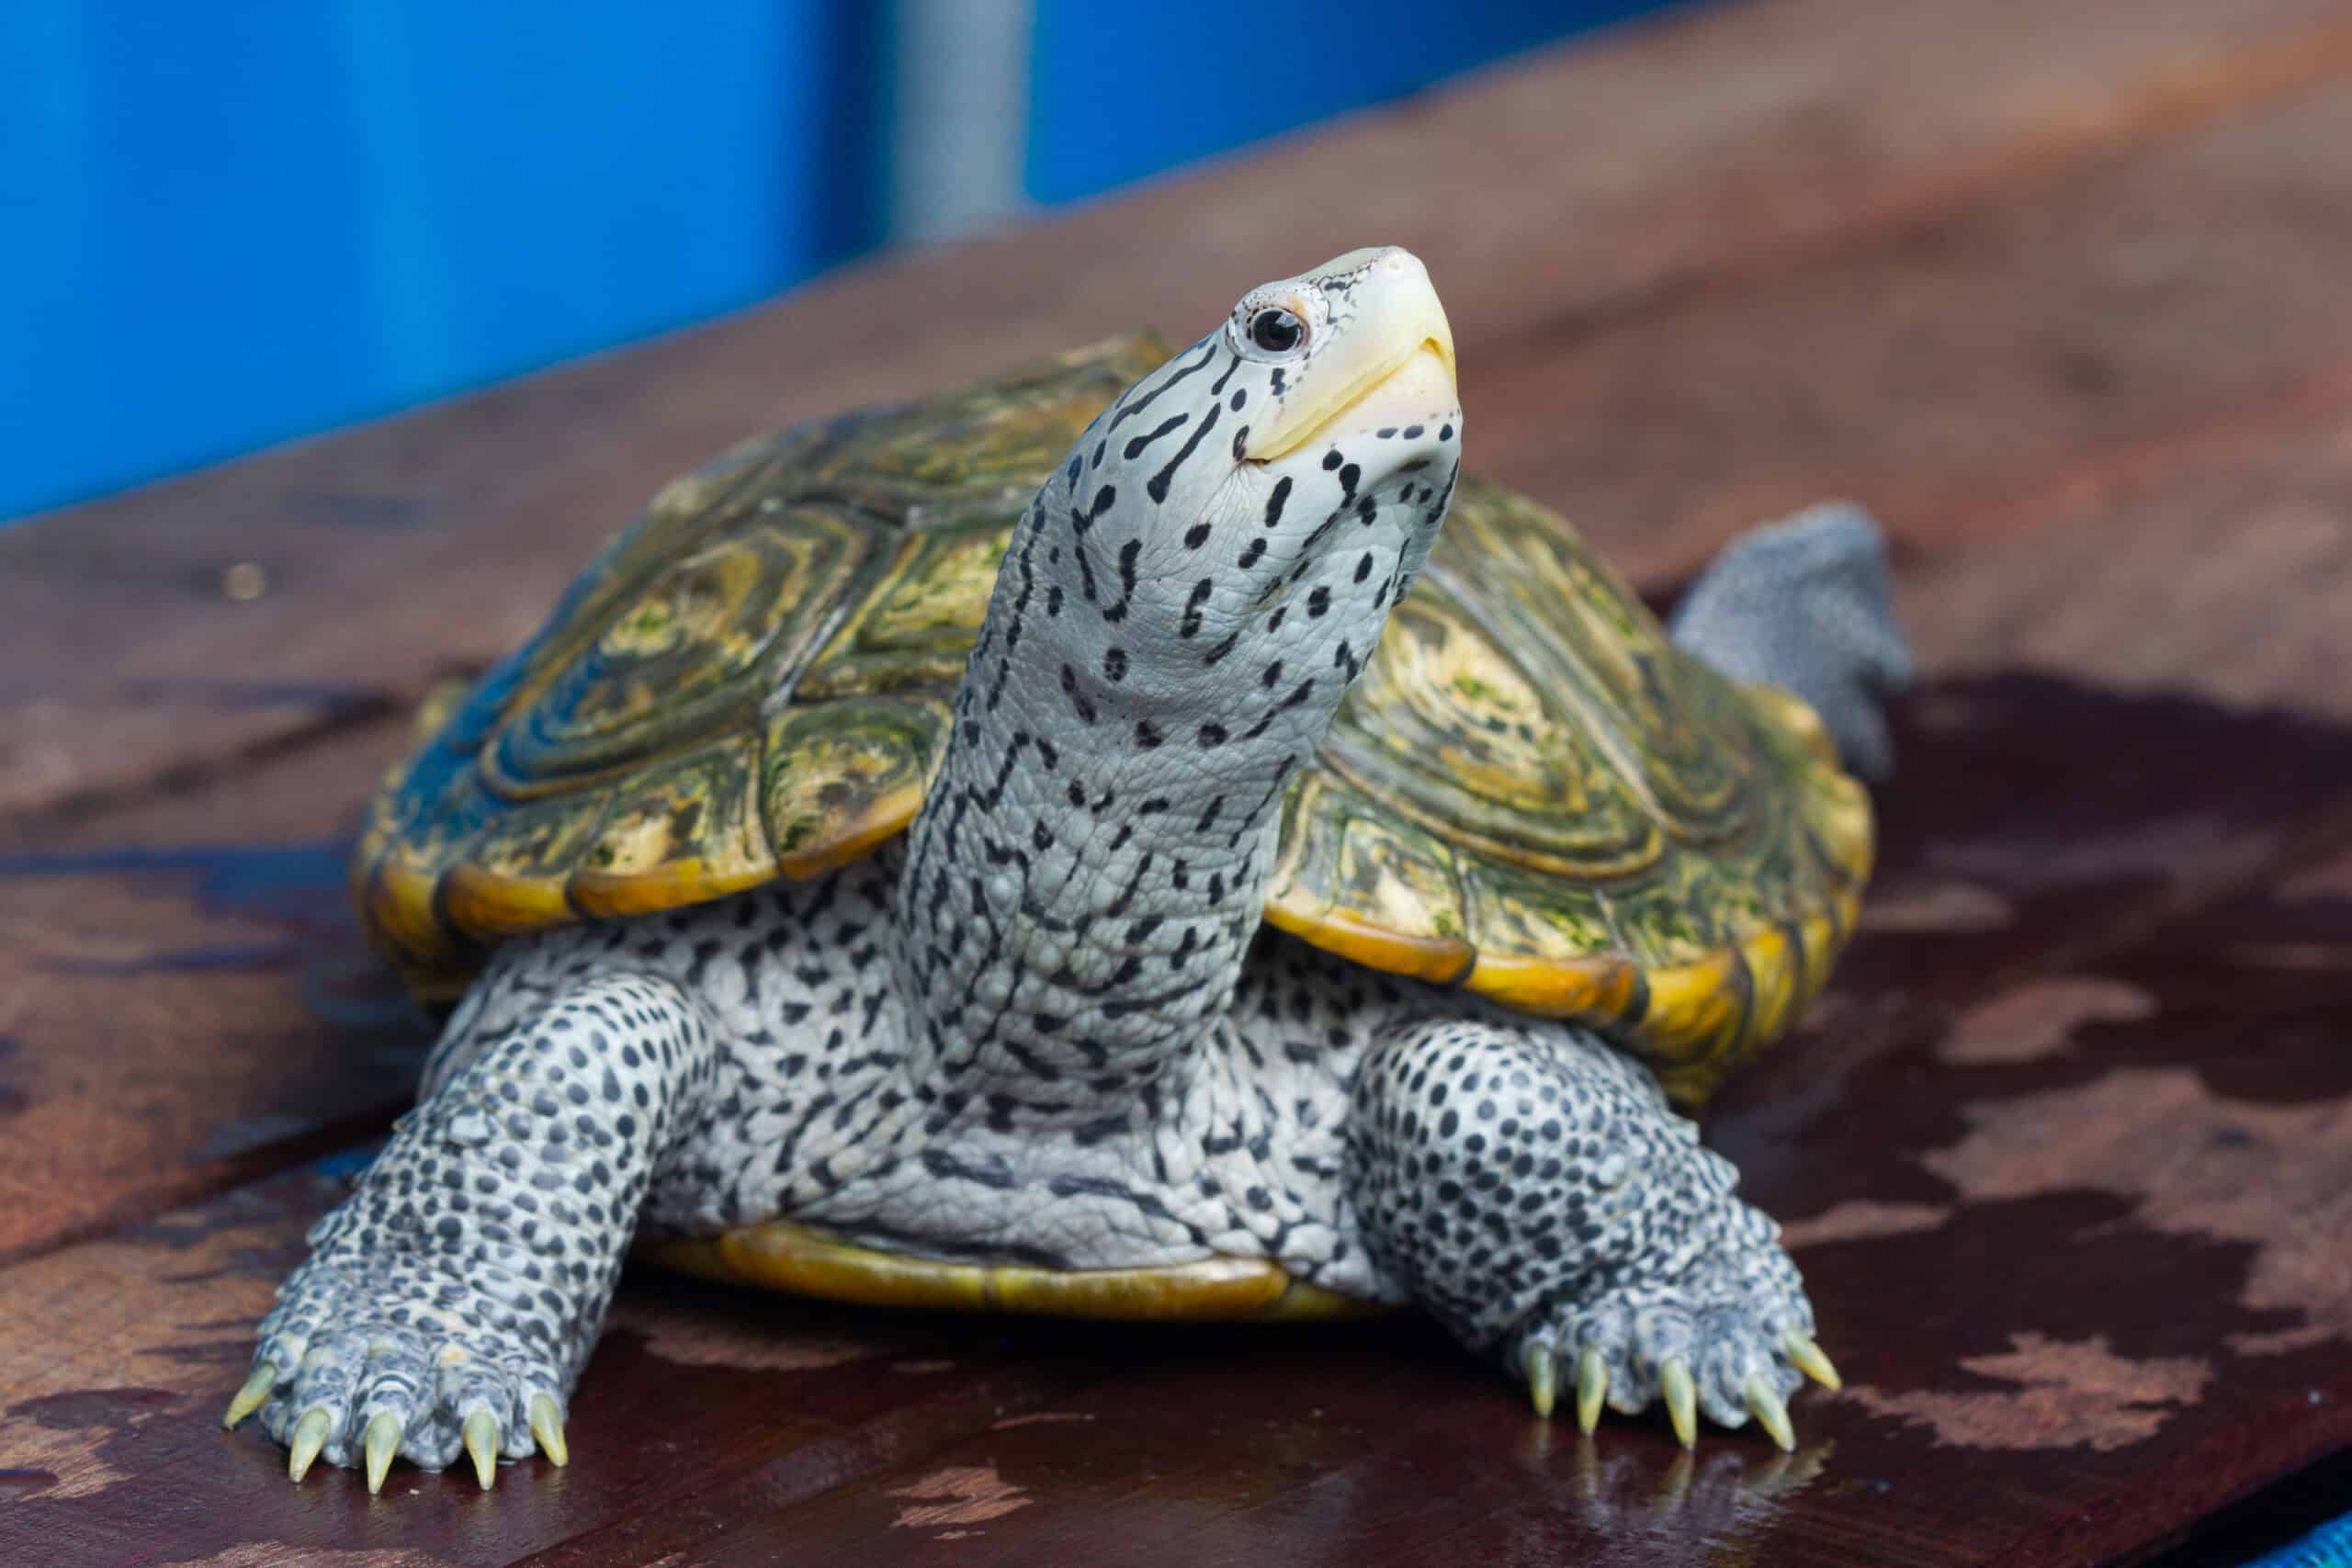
(1316, 393)
(1308, 442)
(1356, 351)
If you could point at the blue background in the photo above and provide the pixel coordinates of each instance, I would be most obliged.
(233, 222)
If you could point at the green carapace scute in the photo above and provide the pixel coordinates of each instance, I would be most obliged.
(1530, 793)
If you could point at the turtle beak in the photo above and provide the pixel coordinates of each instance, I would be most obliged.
(1395, 358)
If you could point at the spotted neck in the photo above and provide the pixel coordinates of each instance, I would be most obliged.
(1087, 872)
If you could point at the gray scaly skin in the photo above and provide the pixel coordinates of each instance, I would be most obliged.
(1804, 603)
(1047, 1026)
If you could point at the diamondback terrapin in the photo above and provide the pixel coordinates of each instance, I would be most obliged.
(857, 888)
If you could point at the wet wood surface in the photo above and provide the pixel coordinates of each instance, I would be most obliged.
(2064, 1155)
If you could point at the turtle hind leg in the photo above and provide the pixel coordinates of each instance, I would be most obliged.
(448, 1305)
(1531, 1188)
(1807, 604)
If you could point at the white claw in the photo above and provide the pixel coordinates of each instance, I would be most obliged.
(309, 1437)
(1542, 1374)
(1770, 1414)
(1681, 1399)
(1806, 1357)
(481, 1434)
(382, 1441)
(1592, 1387)
(251, 1397)
(547, 1426)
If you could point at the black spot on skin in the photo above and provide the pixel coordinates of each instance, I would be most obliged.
(1157, 486)
(1191, 625)
(1127, 554)
(1143, 402)
(1134, 446)
(1274, 501)
(1077, 700)
(1082, 521)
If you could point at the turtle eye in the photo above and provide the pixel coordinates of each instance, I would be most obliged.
(1276, 331)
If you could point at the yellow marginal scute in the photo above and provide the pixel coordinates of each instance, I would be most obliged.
(397, 898)
(781, 1255)
(1600, 988)
(492, 904)
(882, 820)
(1445, 960)
(1835, 809)
(1697, 1009)
(1796, 716)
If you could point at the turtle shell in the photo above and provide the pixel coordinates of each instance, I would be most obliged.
(1530, 793)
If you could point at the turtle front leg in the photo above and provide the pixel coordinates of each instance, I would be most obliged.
(448, 1305)
(1534, 1191)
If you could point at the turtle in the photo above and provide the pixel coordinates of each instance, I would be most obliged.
(1142, 836)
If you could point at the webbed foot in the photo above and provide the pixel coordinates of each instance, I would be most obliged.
(1727, 1348)
(1531, 1186)
(361, 1372)
(448, 1304)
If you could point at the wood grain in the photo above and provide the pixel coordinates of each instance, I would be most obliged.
(1587, 188)
(184, 999)
(1964, 376)
(116, 1356)
(2222, 567)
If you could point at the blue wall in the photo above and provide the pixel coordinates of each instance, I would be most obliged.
(227, 223)
(231, 222)
(1120, 91)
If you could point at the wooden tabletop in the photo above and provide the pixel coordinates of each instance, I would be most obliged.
(2065, 1155)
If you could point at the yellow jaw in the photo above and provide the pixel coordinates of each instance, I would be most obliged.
(1396, 349)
